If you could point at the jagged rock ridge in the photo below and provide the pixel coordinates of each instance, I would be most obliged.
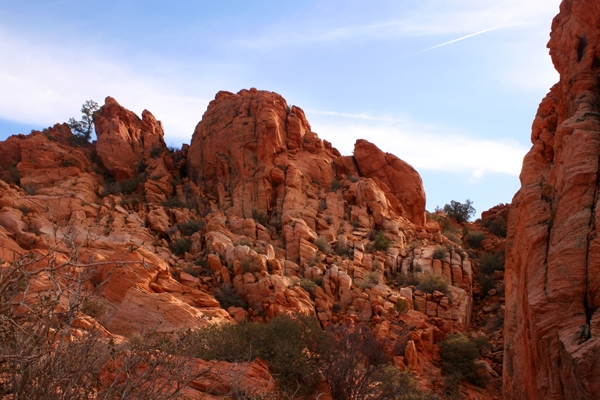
(250, 207)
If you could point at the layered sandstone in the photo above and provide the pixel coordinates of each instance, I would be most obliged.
(552, 328)
(395, 176)
(258, 158)
(124, 139)
(258, 209)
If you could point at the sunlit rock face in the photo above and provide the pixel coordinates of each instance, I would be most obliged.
(552, 327)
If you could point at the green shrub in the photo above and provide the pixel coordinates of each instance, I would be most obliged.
(314, 261)
(475, 238)
(340, 247)
(335, 185)
(195, 272)
(490, 262)
(309, 285)
(156, 152)
(25, 210)
(381, 242)
(440, 253)
(201, 262)
(487, 282)
(337, 307)
(141, 166)
(93, 307)
(69, 162)
(260, 217)
(452, 237)
(227, 297)
(401, 306)
(251, 263)
(174, 202)
(460, 212)
(244, 241)
(322, 205)
(356, 366)
(188, 228)
(15, 175)
(287, 343)
(497, 226)
(128, 186)
(134, 201)
(76, 140)
(323, 245)
(410, 279)
(181, 246)
(458, 360)
(373, 277)
(429, 283)
(482, 343)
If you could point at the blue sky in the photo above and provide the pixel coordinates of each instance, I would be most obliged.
(450, 86)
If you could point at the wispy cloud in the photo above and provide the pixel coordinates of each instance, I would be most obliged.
(429, 18)
(425, 146)
(46, 83)
(366, 117)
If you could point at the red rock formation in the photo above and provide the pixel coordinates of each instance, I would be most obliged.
(124, 139)
(259, 157)
(269, 220)
(552, 329)
(395, 176)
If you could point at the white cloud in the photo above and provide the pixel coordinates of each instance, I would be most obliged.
(46, 83)
(430, 18)
(425, 147)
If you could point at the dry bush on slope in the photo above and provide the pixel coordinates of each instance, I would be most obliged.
(50, 348)
(356, 366)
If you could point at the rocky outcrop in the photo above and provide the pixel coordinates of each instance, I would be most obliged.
(124, 139)
(552, 328)
(258, 158)
(395, 176)
(257, 218)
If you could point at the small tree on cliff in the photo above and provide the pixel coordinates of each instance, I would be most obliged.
(460, 212)
(85, 127)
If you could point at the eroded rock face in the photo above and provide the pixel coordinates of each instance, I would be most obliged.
(243, 146)
(394, 176)
(124, 139)
(552, 329)
(258, 158)
(267, 219)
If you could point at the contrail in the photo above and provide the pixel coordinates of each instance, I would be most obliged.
(459, 39)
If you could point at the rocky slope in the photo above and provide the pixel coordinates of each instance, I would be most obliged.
(258, 217)
(552, 329)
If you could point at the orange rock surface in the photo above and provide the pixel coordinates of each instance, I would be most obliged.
(397, 178)
(552, 328)
(258, 217)
(124, 138)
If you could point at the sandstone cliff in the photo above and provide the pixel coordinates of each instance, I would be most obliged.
(258, 217)
(552, 329)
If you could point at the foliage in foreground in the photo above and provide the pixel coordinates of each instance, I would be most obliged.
(282, 343)
(458, 361)
(352, 360)
(43, 355)
(356, 366)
